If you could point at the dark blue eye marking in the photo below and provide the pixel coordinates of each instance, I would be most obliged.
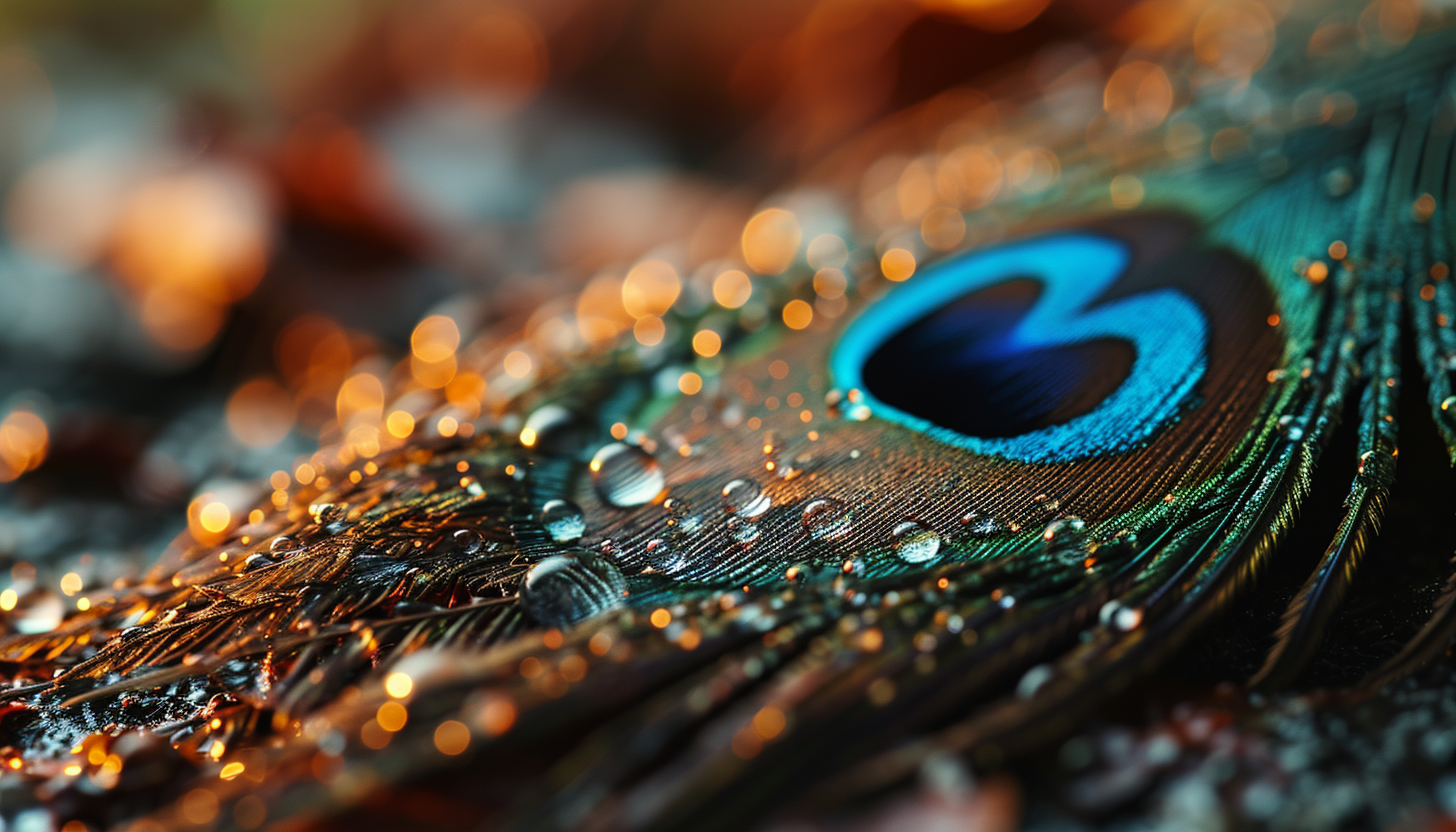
(970, 352)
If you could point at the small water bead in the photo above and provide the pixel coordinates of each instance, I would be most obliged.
(564, 589)
(745, 499)
(742, 531)
(1366, 465)
(257, 560)
(468, 541)
(283, 544)
(410, 606)
(325, 513)
(827, 518)
(664, 557)
(682, 520)
(1339, 182)
(1065, 536)
(979, 525)
(1034, 680)
(564, 521)
(915, 543)
(1119, 616)
(687, 523)
(626, 476)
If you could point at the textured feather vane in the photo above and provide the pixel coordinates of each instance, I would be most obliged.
(905, 501)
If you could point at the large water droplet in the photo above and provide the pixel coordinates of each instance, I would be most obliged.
(564, 589)
(827, 518)
(625, 475)
(553, 429)
(745, 499)
(915, 543)
(664, 557)
(563, 520)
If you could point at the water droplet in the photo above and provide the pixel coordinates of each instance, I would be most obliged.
(1034, 680)
(1339, 181)
(745, 499)
(625, 475)
(284, 544)
(1066, 536)
(915, 543)
(563, 520)
(553, 429)
(1119, 616)
(664, 557)
(682, 521)
(742, 531)
(1126, 539)
(827, 518)
(1448, 403)
(979, 525)
(564, 589)
(468, 541)
(1291, 428)
(257, 560)
(326, 513)
(410, 606)
(1366, 465)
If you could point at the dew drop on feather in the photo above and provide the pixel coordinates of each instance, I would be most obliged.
(626, 476)
(564, 589)
(564, 521)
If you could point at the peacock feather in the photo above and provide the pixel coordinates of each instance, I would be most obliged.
(875, 496)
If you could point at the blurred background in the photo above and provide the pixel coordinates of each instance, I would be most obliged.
(230, 225)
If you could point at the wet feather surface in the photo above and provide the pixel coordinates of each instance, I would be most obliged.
(889, 514)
